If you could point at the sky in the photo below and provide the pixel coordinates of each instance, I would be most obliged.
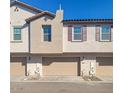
(77, 9)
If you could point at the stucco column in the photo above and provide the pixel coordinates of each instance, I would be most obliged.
(87, 62)
(34, 63)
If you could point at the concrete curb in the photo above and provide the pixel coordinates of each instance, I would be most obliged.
(63, 81)
(67, 79)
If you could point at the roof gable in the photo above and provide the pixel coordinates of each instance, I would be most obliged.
(39, 15)
(25, 5)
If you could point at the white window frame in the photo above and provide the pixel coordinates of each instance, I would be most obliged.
(14, 34)
(73, 32)
(101, 32)
(46, 34)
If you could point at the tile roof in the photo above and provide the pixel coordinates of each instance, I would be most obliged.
(39, 15)
(88, 21)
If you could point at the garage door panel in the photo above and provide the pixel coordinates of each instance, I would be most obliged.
(105, 71)
(60, 66)
(104, 66)
(18, 66)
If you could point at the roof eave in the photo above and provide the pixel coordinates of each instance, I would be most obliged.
(87, 21)
(39, 15)
(26, 5)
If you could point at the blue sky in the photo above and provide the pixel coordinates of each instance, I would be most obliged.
(77, 9)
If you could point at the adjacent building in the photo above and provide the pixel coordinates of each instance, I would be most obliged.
(44, 42)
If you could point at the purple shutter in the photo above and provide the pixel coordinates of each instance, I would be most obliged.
(84, 33)
(97, 33)
(70, 33)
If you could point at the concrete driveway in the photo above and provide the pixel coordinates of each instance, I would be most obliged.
(60, 87)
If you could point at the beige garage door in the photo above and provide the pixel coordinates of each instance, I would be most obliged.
(61, 66)
(104, 66)
(18, 66)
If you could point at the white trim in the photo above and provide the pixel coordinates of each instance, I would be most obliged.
(42, 34)
(73, 32)
(13, 33)
(101, 32)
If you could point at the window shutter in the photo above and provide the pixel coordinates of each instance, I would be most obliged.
(111, 33)
(84, 33)
(69, 33)
(97, 33)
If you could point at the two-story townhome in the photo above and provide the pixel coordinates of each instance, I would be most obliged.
(19, 35)
(44, 42)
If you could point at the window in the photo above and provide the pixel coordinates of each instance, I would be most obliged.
(76, 34)
(17, 33)
(105, 33)
(47, 33)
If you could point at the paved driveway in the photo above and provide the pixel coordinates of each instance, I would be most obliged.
(60, 87)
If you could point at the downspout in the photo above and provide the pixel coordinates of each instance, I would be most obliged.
(29, 44)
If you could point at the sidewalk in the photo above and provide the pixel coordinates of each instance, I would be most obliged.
(108, 78)
(59, 79)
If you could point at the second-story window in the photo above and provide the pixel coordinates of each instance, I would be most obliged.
(17, 33)
(47, 32)
(105, 33)
(76, 34)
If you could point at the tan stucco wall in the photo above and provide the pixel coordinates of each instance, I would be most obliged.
(37, 43)
(91, 45)
(18, 19)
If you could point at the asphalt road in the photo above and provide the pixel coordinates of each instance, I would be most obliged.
(60, 87)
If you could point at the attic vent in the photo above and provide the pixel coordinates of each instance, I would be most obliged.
(45, 19)
(16, 9)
